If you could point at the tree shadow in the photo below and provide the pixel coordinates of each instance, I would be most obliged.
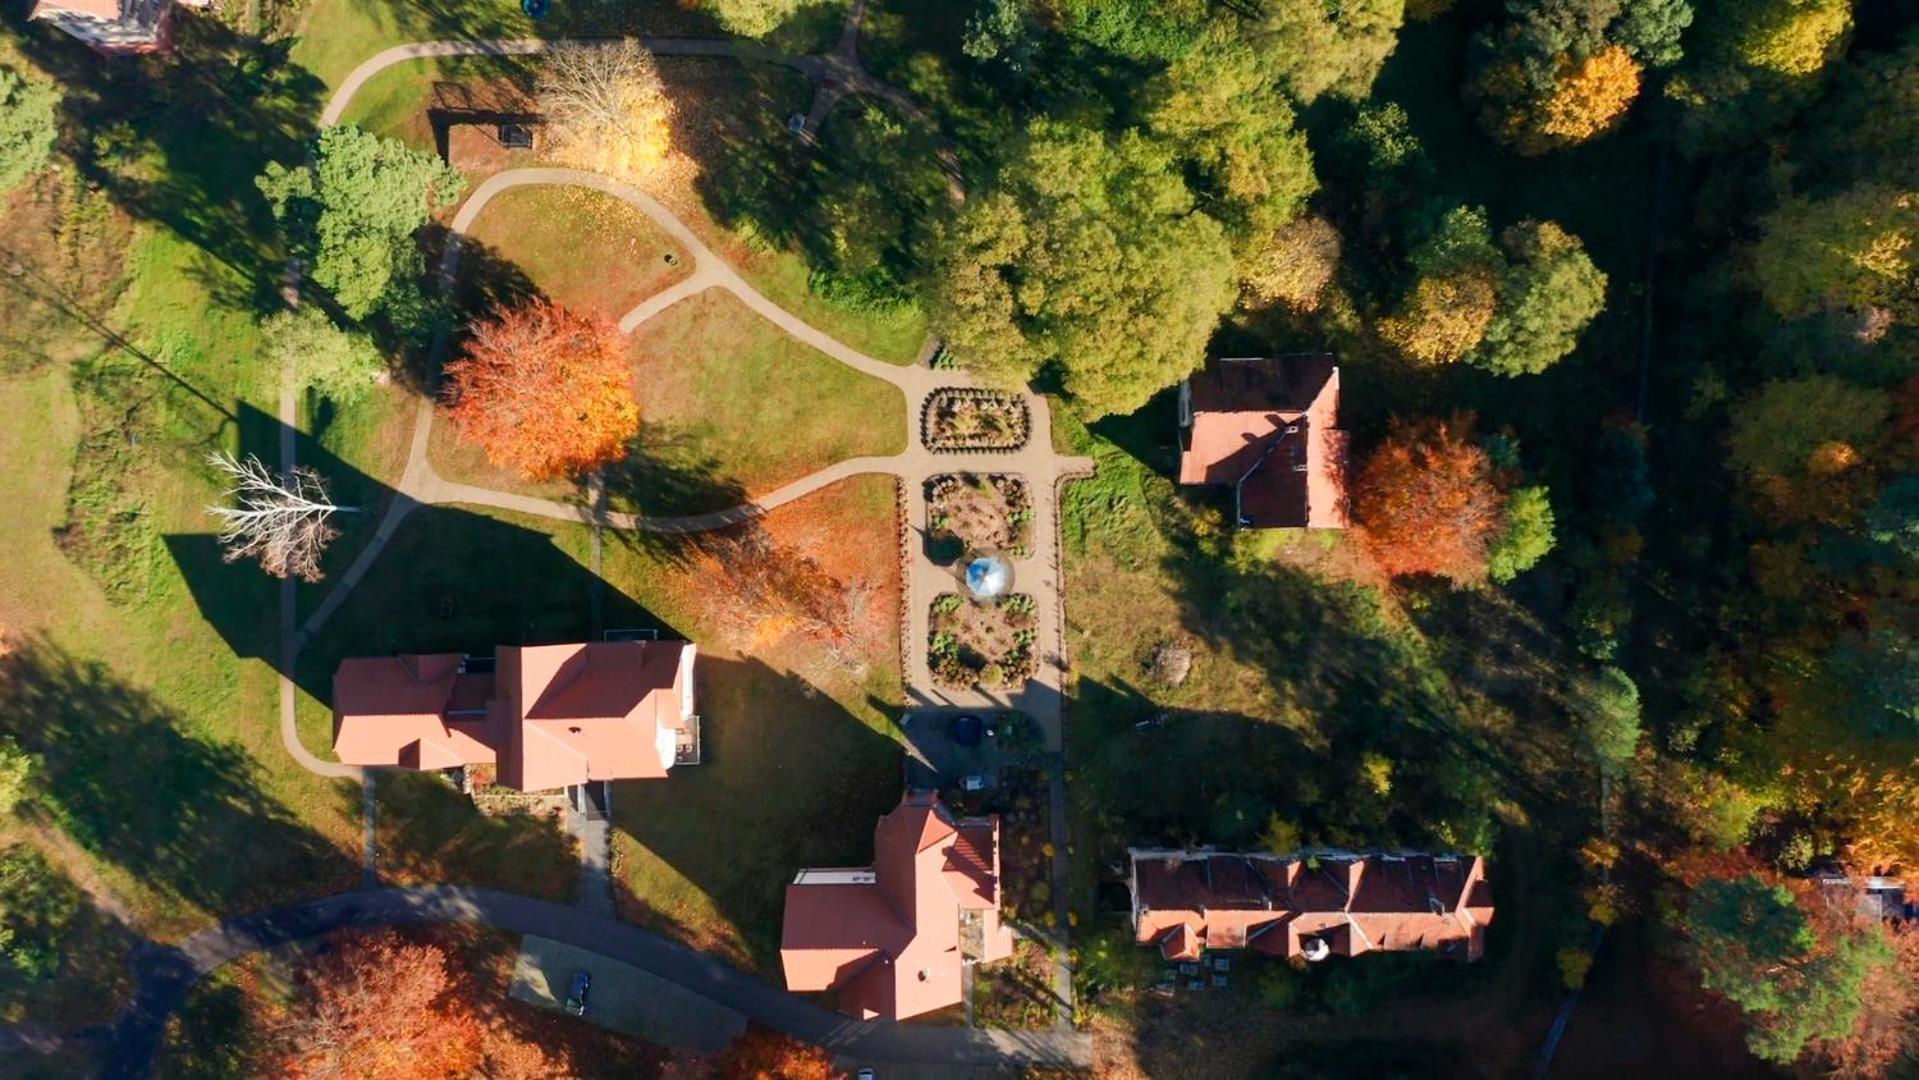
(186, 816)
(791, 779)
(178, 140)
(450, 580)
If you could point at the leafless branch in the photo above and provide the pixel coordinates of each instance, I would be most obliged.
(281, 520)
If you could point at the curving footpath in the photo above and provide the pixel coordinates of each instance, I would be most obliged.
(165, 975)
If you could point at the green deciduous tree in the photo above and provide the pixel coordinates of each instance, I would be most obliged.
(1782, 425)
(1608, 707)
(1526, 535)
(341, 365)
(1753, 943)
(1220, 111)
(1857, 249)
(1893, 520)
(352, 214)
(1137, 29)
(18, 769)
(1757, 63)
(753, 18)
(1088, 256)
(1881, 677)
(1314, 48)
(1549, 293)
(27, 126)
(37, 909)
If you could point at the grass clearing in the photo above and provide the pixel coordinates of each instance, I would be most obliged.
(585, 250)
(732, 405)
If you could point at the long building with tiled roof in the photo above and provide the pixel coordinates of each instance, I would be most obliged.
(1311, 903)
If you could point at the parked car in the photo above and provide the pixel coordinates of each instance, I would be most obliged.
(866, 1074)
(576, 993)
(967, 730)
(973, 782)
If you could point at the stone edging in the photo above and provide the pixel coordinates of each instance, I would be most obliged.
(902, 510)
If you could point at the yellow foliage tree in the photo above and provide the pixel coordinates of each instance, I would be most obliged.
(1589, 97)
(606, 109)
(1445, 318)
(1793, 37)
(1294, 267)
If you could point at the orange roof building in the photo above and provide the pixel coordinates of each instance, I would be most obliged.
(114, 27)
(1311, 904)
(1268, 429)
(892, 938)
(549, 716)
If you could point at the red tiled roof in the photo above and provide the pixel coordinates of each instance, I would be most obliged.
(1269, 428)
(551, 716)
(1188, 901)
(887, 938)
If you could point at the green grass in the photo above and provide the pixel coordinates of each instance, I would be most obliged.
(431, 833)
(585, 250)
(730, 404)
(394, 102)
(793, 777)
(337, 35)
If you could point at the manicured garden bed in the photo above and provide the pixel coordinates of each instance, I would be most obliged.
(970, 514)
(985, 643)
(966, 418)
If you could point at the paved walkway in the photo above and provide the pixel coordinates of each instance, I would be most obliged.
(835, 75)
(164, 975)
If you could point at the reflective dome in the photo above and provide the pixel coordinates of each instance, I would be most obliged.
(987, 577)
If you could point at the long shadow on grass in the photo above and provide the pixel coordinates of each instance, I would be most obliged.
(790, 779)
(178, 140)
(125, 778)
(451, 580)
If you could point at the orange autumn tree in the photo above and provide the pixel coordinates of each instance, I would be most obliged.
(763, 1054)
(543, 391)
(379, 1005)
(373, 1008)
(1427, 502)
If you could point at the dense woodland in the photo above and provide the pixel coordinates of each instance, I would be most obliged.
(1626, 299)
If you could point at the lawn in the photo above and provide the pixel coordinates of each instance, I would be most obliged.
(430, 834)
(731, 405)
(799, 759)
(794, 721)
(335, 36)
(584, 250)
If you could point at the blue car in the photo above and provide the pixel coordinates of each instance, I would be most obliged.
(576, 993)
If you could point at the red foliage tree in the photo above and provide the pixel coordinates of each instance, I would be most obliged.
(543, 391)
(763, 1054)
(1426, 500)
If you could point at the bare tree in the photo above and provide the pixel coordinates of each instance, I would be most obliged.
(606, 108)
(284, 521)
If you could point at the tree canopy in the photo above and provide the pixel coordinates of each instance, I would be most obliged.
(1088, 257)
(1426, 501)
(753, 18)
(606, 109)
(1549, 293)
(1753, 943)
(1221, 111)
(1783, 425)
(543, 391)
(28, 126)
(352, 215)
(1526, 535)
(1857, 249)
(342, 365)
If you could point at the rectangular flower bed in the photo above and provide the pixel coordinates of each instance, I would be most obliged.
(969, 418)
(970, 514)
(984, 643)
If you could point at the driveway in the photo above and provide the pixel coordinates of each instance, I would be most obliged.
(623, 997)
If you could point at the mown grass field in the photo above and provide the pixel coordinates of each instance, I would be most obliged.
(730, 403)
